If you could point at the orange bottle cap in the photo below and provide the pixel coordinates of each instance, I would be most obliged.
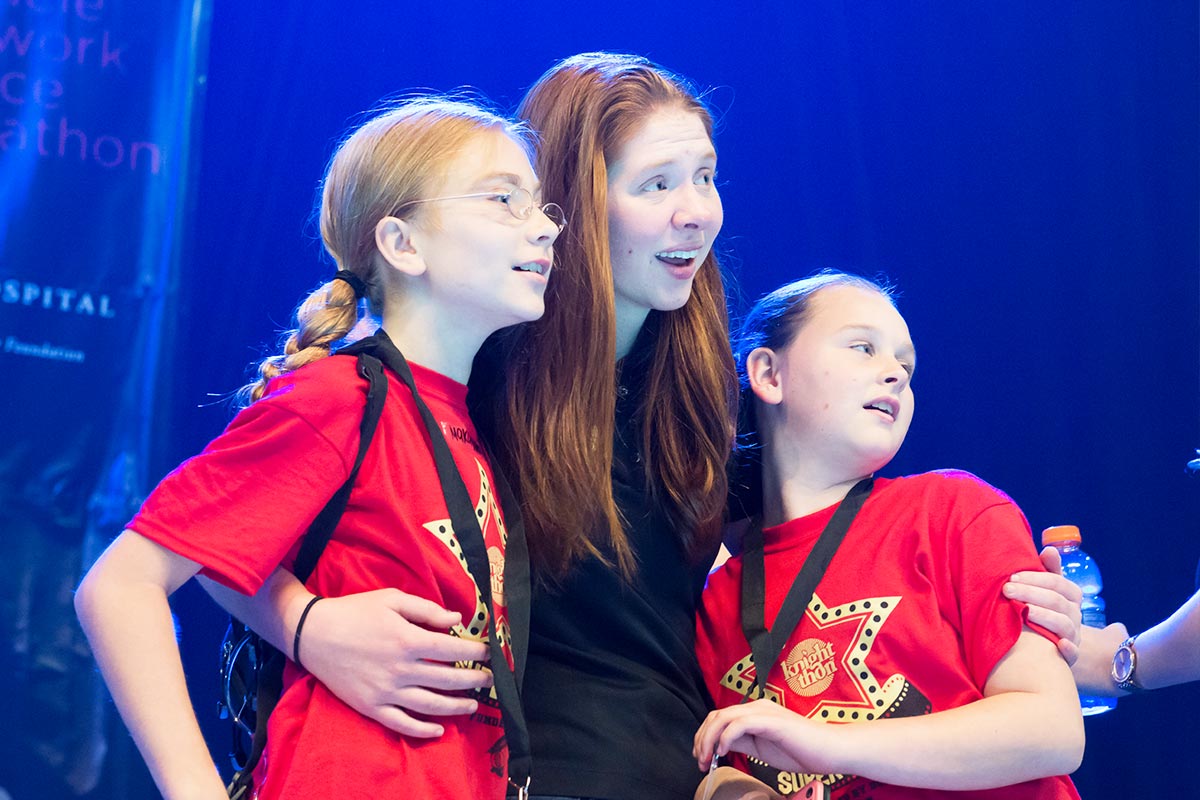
(1061, 533)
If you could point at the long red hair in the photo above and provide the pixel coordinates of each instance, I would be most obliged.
(547, 390)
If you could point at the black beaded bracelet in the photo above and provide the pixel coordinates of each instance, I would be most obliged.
(300, 627)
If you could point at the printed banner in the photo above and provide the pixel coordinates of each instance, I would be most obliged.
(98, 103)
(97, 99)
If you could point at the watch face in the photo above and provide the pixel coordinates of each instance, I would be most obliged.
(1122, 664)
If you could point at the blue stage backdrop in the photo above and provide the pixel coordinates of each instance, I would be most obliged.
(1027, 172)
(98, 102)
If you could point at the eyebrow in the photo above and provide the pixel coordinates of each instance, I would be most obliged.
(666, 162)
(508, 177)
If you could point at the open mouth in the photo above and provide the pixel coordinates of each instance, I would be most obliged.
(677, 258)
(883, 406)
(533, 266)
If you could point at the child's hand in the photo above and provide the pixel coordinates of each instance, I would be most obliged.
(770, 733)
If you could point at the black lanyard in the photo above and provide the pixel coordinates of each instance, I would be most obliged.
(470, 537)
(765, 646)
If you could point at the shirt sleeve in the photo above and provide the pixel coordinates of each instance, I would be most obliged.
(993, 545)
(239, 507)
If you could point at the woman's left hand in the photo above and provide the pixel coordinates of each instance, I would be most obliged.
(1054, 602)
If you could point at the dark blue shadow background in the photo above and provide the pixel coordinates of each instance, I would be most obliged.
(1026, 172)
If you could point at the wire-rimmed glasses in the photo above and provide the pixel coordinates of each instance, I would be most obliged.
(518, 201)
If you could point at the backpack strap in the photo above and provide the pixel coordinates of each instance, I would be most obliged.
(270, 676)
(321, 530)
(517, 589)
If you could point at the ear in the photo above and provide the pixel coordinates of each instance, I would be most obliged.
(766, 380)
(394, 240)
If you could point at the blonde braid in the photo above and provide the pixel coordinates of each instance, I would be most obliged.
(325, 317)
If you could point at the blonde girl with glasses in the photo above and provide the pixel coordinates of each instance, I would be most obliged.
(441, 276)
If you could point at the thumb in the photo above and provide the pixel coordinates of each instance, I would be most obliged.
(1052, 560)
(1119, 630)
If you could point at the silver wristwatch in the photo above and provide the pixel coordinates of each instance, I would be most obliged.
(1124, 667)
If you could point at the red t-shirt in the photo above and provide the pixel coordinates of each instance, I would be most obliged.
(240, 509)
(909, 619)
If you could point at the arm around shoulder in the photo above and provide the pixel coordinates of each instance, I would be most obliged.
(384, 653)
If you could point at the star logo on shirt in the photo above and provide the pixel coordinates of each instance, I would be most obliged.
(487, 512)
(833, 655)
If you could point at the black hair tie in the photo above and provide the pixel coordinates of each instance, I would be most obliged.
(356, 283)
(299, 627)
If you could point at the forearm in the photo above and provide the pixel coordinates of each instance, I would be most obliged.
(1169, 653)
(997, 741)
(272, 613)
(132, 636)
(1027, 725)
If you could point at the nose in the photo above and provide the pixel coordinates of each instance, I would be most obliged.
(896, 374)
(542, 228)
(699, 209)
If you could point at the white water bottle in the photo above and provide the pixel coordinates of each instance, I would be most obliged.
(1079, 568)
